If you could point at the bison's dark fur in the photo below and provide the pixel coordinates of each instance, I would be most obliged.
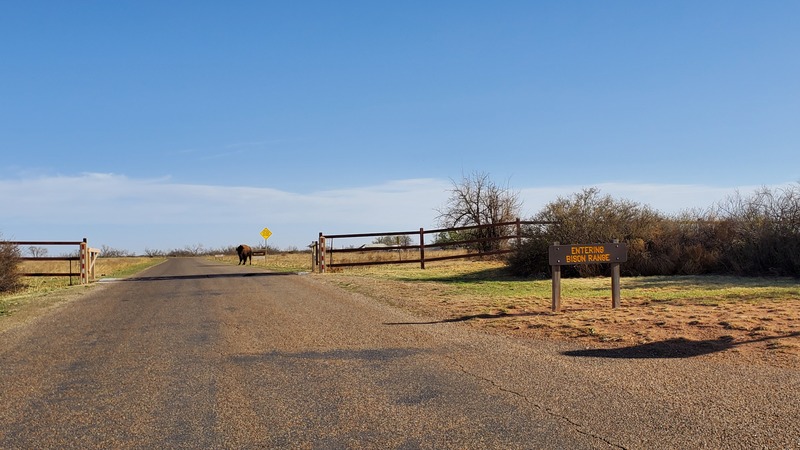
(245, 253)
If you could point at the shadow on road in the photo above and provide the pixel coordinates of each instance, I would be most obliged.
(370, 355)
(670, 348)
(209, 275)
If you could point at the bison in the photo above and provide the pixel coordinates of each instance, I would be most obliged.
(244, 252)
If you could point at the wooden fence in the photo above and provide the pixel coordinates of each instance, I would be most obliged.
(323, 250)
(85, 260)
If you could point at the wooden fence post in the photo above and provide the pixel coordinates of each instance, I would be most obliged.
(421, 248)
(93, 254)
(313, 248)
(321, 253)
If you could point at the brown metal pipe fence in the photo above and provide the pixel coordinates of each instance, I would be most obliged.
(324, 251)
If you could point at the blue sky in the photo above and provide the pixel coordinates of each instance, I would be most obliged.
(144, 124)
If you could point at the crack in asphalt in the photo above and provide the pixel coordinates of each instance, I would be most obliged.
(575, 425)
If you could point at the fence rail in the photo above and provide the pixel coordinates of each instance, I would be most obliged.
(324, 251)
(87, 257)
(50, 258)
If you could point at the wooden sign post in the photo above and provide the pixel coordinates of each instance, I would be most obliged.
(562, 255)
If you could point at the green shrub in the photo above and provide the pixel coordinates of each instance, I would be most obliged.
(9, 263)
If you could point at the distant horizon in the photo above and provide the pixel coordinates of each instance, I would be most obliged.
(401, 205)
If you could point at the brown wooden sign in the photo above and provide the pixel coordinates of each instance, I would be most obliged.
(563, 255)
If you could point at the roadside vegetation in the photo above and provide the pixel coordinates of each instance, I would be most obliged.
(755, 235)
(9, 262)
(743, 235)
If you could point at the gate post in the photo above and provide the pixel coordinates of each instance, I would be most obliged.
(321, 253)
(314, 256)
(84, 255)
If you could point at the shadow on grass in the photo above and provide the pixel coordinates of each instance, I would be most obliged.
(209, 275)
(670, 348)
(495, 274)
(471, 317)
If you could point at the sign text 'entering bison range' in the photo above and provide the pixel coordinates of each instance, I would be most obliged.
(561, 255)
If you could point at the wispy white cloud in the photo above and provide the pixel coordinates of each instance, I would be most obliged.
(110, 201)
(241, 148)
(256, 144)
(159, 213)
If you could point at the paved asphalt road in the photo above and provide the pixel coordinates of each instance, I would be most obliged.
(194, 354)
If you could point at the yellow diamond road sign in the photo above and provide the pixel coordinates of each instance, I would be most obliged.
(265, 233)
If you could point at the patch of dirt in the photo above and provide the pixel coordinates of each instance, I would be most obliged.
(763, 332)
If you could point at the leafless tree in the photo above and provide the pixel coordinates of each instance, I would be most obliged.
(477, 200)
(37, 252)
(111, 252)
(766, 228)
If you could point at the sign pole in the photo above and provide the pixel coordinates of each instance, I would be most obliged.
(556, 288)
(265, 233)
(556, 268)
(615, 290)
